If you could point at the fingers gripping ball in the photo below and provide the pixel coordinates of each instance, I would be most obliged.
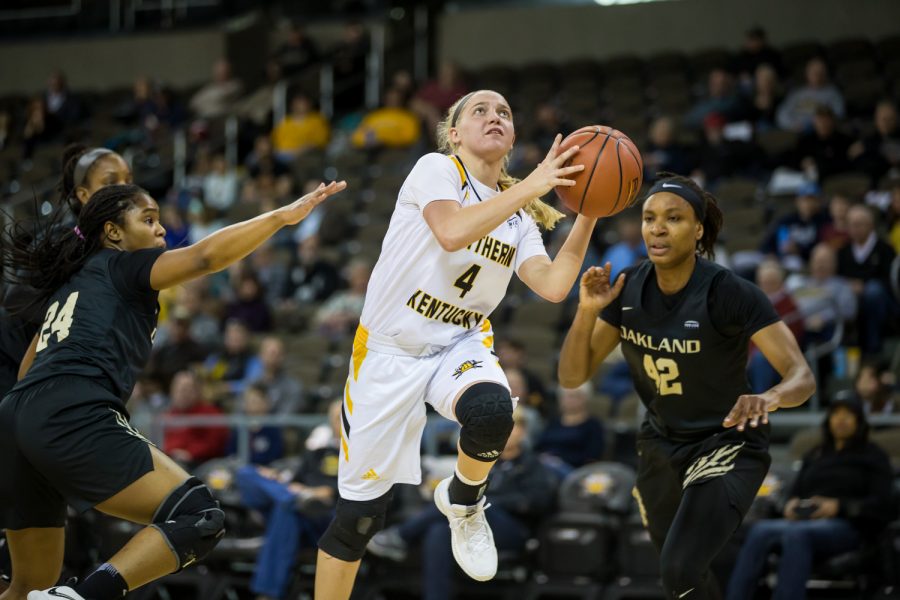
(612, 175)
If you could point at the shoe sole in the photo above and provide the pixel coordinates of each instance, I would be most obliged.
(445, 510)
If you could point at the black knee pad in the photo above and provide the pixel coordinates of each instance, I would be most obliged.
(191, 522)
(354, 524)
(485, 413)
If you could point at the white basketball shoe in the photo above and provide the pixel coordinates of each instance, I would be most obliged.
(470, 534)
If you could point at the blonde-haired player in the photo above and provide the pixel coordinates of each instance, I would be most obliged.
(460, 228)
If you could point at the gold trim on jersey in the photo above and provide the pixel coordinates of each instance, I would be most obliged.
(347, 398)
(436, 309)
(462, 172)
(359, 349)
(635, 492)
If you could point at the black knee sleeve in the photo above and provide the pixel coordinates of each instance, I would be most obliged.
(485, 413)
(354, 524)
(191, 521)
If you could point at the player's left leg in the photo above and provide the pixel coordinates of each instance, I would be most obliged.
(471, 388)
(37, 558)
(711, 510)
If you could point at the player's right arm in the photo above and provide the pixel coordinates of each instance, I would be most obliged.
(590, 339)
(455, 226)
(231, 244)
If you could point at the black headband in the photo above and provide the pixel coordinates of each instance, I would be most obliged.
(459, 108)
(687, 194)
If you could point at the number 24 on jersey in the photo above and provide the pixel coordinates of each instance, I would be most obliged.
(58, 320)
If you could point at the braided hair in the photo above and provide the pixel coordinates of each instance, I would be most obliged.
(45, 255)
(713, 219)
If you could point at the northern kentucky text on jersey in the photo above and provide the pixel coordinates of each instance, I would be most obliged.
(440, 310)
(493, 249)
(674, 346)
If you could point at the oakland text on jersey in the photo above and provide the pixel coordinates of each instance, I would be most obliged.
(674, 346)
(493, 249)
(440, 310)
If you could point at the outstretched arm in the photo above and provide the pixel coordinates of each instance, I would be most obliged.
(552, 280)
(797, 384)
(590, 339)
(231, 244)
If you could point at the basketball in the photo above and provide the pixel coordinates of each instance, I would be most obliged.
(612, 175)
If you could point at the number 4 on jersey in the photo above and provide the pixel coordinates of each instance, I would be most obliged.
(467, 280)
(57, 323)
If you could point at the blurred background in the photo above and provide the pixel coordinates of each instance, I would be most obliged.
(786, 111)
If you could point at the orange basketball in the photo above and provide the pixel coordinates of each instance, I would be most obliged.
(612, 175)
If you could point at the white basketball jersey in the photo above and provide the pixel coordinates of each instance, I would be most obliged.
(422, 298)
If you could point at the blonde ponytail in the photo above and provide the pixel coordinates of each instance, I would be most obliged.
(543, 214)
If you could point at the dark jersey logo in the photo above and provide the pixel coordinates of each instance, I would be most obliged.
(466, 366)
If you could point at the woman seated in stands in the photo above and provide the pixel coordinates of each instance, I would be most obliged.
(841, 497)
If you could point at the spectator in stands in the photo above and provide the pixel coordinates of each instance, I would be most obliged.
(249, 305)
(575, 436)
(228, 367)
(866, 262)
(192, 444)
(62, 105)
(5, 127)
(267, 369)
(511, 353)
(437, 95)
(548, 121)
(39, 127)
(770, 279)
(874, 387)
(879, 151)
(220, 185)
(823, 297)
(522, 491)
(822, 152)
(170, 113)
(834, 233)
(262, 159)
(797, 110)
(629, 250)
(721, 98)
(664, 152)
(266, 443)
(339, 315)
(178, 230)
(348, 61)
(766, 96)
(792, 238)
(193, 297)
(216, 98)
(841, 497)
(297, 507)
(518, 388)
(271, 270)
(303, 129)
(393, 125)
(756, 52)
(892, 216)
(721, 156)
(178, 352)
(297, 53)
(311, 278)
(255, 109)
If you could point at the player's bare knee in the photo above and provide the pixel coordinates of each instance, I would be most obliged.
(354, 524)
(485, 413)
(191, 522)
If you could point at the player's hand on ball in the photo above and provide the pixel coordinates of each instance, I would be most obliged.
(296, 211)
(751, 408)
(551, 172)
(596, 292)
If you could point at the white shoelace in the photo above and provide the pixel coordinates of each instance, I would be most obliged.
(475, 529)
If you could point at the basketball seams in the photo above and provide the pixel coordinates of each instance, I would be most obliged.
(587, 184)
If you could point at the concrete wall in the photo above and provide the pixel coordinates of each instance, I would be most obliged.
(180, 59)
(480, 37)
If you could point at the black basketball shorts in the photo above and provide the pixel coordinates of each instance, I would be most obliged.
(65, 440)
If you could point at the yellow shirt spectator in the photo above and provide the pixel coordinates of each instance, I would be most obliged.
(392, 125)
(302, 129)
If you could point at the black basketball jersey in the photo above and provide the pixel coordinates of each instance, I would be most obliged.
(101, 323)
(687, 369)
